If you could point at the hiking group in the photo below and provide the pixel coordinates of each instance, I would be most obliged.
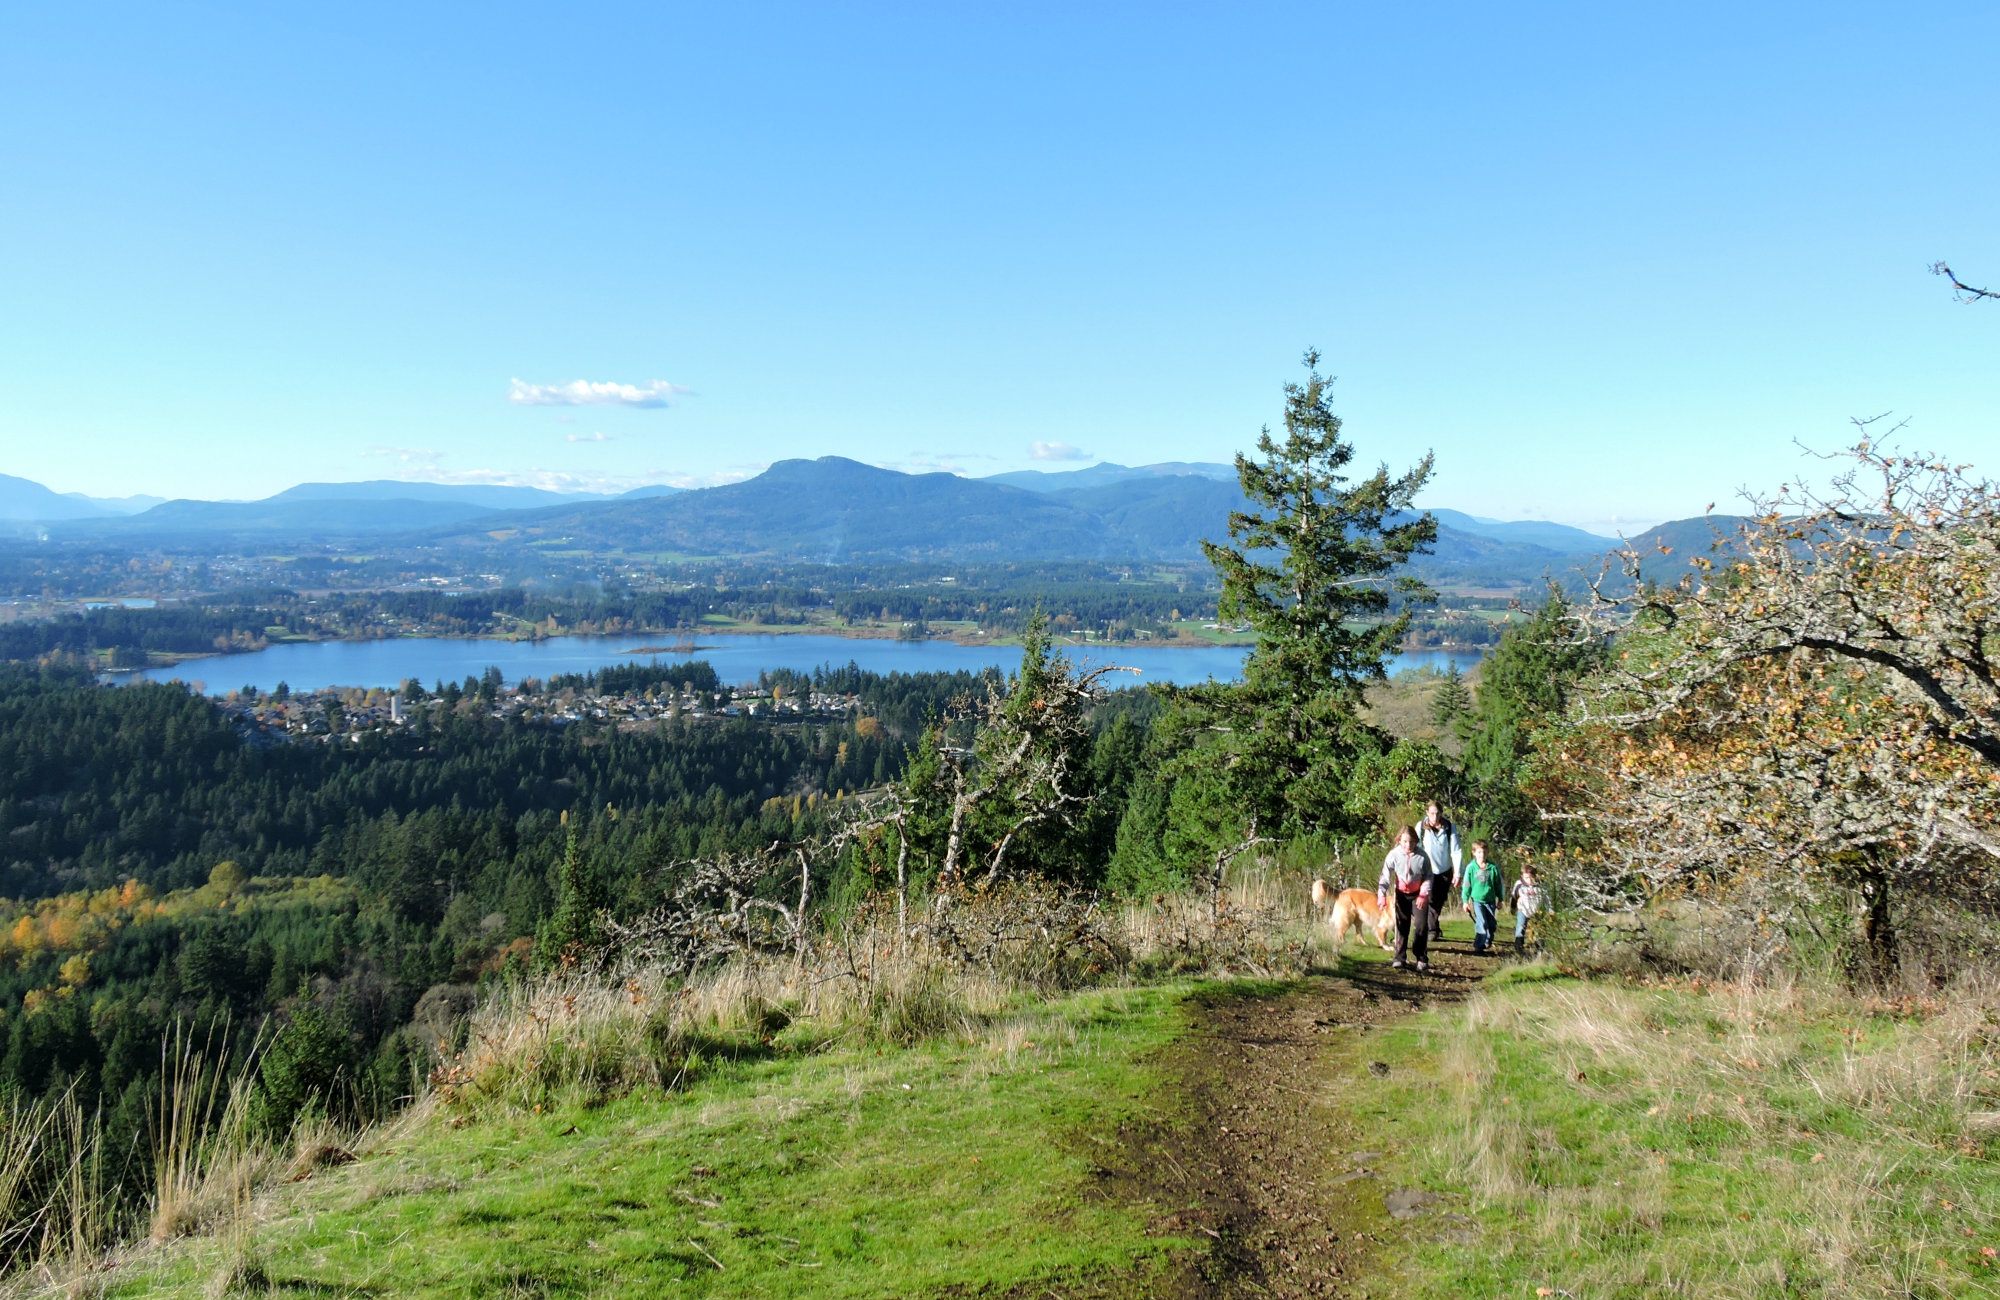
(1420, 872)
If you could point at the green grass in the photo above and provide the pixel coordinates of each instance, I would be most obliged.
(858, 1170)
(1615, 1141)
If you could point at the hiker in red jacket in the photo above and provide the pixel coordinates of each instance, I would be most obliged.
(1407, 873)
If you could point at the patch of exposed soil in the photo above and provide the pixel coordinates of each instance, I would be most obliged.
(1259, 1158)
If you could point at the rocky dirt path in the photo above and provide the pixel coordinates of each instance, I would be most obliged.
(1261, 1159)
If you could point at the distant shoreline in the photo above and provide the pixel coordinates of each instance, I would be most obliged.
(694, 647)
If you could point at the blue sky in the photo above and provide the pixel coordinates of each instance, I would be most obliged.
(1609, 261)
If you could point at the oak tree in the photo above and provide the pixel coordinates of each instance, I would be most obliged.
(1813, 711)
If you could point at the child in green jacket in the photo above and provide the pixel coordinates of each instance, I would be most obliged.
(1482, 891)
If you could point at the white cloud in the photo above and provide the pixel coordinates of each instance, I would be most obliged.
(407, 455)
(1056, 451)
(586, 437)
(551, 480)
(653, 393)
(675, 478)
(558, 480)
(933, 462)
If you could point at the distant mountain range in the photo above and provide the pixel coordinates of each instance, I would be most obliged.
(1555, 537)
(308, 509)
(483, 495)
(833, 509)
(1039, 480)
(25, 499)
(490, 496)
(829, 510)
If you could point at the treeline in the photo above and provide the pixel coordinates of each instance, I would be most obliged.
(132, 634)
(100, 784)
(248, 618)
(630, 679)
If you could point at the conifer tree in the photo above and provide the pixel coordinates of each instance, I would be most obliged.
(308, 1061)
(1311, 567)
(576, 928)
(1525, 684)
(1452, 701)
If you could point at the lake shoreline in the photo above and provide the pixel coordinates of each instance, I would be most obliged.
(737, 657)
(173, 659)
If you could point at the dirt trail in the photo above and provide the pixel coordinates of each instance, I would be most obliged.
(1261, 1160)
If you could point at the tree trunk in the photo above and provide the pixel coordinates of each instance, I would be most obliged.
(902, 885)
(805, 901)
(954, 844)
(1876, 928)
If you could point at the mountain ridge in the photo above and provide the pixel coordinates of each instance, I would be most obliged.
(834, 509)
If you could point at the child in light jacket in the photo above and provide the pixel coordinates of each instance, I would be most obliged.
(1527, 900)
(1406, 873)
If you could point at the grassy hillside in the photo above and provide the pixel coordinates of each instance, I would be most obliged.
(1609, 1140)
(844, 1169)
(1351, 1132)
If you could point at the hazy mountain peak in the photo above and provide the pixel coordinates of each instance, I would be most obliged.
(25, 500)
(492, 496)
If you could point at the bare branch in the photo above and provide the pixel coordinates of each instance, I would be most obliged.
(1961, 290)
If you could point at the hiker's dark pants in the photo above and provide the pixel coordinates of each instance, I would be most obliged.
(1411, 913)
(1440, 893)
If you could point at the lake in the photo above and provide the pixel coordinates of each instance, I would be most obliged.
(737, 657)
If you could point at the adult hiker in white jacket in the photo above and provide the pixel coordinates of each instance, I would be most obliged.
(1437, 838)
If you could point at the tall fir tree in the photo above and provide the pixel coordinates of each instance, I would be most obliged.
(1452, 702)
(575, 930)
(306, 1067)
(1311, 567)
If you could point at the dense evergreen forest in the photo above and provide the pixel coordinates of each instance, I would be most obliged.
(161, 868)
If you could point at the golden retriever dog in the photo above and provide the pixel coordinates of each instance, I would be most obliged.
(1353, 909)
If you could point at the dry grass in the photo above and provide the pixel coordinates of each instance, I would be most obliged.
(1725, 1140)
(571, 1038)
(205, 1161)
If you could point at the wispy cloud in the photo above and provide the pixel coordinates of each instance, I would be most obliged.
(552, 480)
(1056, 451)
(652, 394)
(560, 480)
(716, 478)
(933, 462)
(407, 455)
(586, 437)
